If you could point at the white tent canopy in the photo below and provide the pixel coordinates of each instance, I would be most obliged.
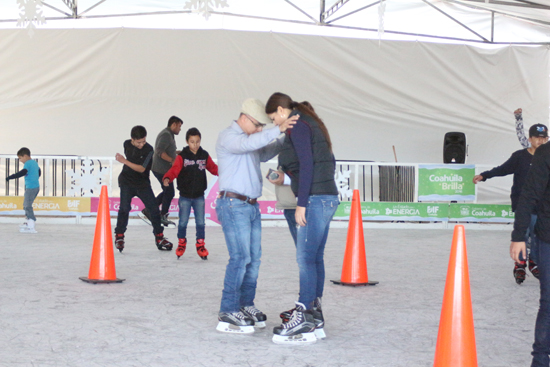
(485, 21)
(73, 88)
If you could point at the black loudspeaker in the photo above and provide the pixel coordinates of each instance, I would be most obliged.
(454, 148)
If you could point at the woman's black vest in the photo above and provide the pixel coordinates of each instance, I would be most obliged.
(323, 161)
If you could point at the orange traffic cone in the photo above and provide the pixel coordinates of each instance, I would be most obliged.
(456, 342)
(102, 265)
(354, 270)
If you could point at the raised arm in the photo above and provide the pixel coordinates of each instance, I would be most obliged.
(520, 130)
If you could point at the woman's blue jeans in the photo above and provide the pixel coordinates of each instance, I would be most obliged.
(310, 249)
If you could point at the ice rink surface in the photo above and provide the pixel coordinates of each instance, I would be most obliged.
(165, 312)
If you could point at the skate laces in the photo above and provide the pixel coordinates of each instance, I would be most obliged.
(296, 318)
(252, 310)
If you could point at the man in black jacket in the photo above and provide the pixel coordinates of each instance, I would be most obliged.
(518, 165)
(536, 194)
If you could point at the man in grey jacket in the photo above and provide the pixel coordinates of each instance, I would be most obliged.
(165, 154)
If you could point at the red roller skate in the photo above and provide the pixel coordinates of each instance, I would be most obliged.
(201, 250)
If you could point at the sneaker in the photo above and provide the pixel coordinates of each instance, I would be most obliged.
(201, 250)
(519, 272)
(319, 319)
(235, 322)
(119, 241)
(182, 244)
(162, 242)
(146, 216)
(300, 329)
(258, 316)
(167, 223)
(534, 269)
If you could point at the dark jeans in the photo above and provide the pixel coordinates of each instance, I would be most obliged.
(185, 205)
(147, 197)
(530, 238)
(166, 196)
(290, 215)
(541, 347)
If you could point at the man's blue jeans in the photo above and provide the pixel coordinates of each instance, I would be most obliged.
(541, 347)
(242, 228)
(185, 205)
(310, 249)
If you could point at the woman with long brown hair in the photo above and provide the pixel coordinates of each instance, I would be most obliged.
(307, 158)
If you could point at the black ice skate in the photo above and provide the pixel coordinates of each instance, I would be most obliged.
(162, 243)
(167, 223)
(519, 272)
(534, 269)
(119, 241)
(319, 319)
(285, 315)
(144, 214)
(235, 322)
(258, 316)
(300, 329)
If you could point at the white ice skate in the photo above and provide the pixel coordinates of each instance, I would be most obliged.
(235, 322)
(300, 329)
(29, 228)
(25, 224)
(258, 316)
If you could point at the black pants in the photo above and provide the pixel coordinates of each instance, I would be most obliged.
(166, 196)
(147, 197)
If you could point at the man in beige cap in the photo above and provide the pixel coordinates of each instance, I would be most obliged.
(240, 149)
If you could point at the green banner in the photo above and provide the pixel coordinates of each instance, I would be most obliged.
(390, 211)
(446, 182)
(481, 213)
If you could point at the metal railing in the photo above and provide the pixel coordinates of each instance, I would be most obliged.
(80, 176)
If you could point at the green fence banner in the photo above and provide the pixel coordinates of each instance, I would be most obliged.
(446, 182)
(390, 211)
(481, 213)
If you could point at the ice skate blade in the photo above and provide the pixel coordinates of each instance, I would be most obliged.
(298, 339)
(171, 225)
(259, 324)
(27, 230)
(204, 257)
(144, 218)
(226, 327)
(320, 333)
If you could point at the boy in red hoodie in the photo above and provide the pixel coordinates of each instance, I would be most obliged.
(189, 172)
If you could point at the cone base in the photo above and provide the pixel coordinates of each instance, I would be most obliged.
(95, 281)
(372, 282)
